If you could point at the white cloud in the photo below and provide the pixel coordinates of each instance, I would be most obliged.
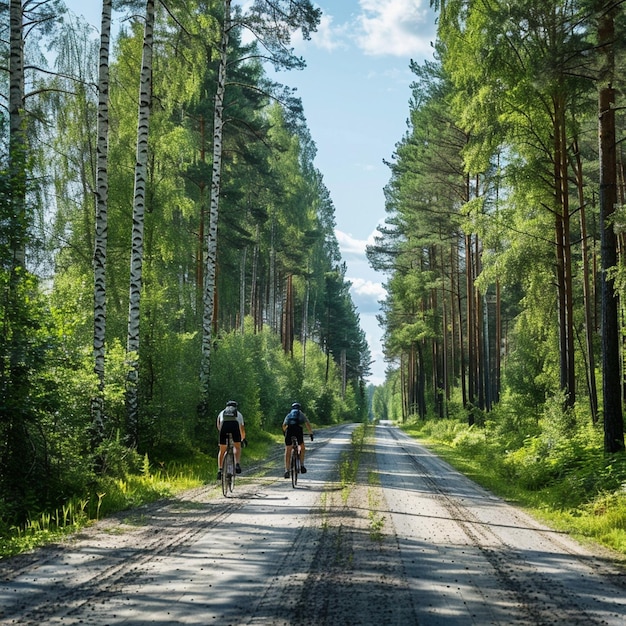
(328, 36)
(395, 27)
(368, 288)
(349, 245)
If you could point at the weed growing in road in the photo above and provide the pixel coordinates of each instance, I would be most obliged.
(377, 521)
(349, 461)
(324, 509)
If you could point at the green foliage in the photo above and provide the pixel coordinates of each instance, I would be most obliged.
(254, 370)
(45, 388)
(276, 224)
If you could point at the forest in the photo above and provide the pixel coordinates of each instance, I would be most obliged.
(166, 245)
(503, 245)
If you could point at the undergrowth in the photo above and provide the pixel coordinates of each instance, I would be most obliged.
(111, 494)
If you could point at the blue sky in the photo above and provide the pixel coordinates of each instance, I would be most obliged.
(355, 91)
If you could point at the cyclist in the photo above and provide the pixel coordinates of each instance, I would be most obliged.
(292, 426)
(230, 420)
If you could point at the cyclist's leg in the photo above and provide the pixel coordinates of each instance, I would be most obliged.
(302, 448)
(220, 456)
(237, 453)
(287, 456)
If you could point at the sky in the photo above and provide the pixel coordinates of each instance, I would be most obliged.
(355, 89)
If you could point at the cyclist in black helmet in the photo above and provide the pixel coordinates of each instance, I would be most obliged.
(292, 426)
(230, 420)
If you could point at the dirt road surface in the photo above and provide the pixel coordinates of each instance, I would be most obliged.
(412, 542)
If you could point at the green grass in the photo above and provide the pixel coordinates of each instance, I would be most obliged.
(111, 495)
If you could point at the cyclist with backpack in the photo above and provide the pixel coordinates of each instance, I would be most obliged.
(230, 420)
(292, 427)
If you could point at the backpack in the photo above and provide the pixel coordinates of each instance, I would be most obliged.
(293, 417)
(230, 413)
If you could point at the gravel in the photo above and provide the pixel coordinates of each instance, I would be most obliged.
(410, 542)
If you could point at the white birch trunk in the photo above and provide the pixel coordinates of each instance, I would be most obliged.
(100, 247)
(139, 205)
(211, 238)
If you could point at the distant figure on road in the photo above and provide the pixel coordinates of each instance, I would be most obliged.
(292, 427)
(230, 420)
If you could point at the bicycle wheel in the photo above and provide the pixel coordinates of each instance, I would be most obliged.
(230, 470)
(294, 466)
(225, 480)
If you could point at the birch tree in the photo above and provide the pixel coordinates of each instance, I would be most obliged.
(101, 224)
(139, 207)
(272, 23)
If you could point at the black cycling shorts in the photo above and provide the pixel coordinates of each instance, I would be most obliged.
(230, 426)
(294, 430)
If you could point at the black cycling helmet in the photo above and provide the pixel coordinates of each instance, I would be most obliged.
(231, 403)
(295, 405)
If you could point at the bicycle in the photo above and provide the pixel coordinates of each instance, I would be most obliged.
(294, 461)
(228, 471)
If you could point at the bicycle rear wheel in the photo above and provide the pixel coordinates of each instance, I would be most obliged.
(231, 472)
(294, 466)
(225, 479)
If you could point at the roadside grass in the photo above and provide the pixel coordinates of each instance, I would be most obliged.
(111, 495)
(570, 485)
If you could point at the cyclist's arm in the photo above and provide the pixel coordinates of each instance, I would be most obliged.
(242, 426)
(308, 425)
(218, 422)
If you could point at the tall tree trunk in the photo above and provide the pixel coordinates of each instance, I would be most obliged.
(242, 289)
(497, 345)
(587, 296)
(471, 349)
(201, 222)
(462, 351)
(421, 382)
(411, 380)
(487, 354)
(101, 227)
(453, 322)
(563, 256)
(14, 378)
(139, 207)
(288, 317)
(211, 240)
(478, 331)
(17, 136)
(255, 300)
(611, 365)
(567, 259)
(304, 335)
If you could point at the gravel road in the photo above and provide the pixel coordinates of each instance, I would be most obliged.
(412, 542)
